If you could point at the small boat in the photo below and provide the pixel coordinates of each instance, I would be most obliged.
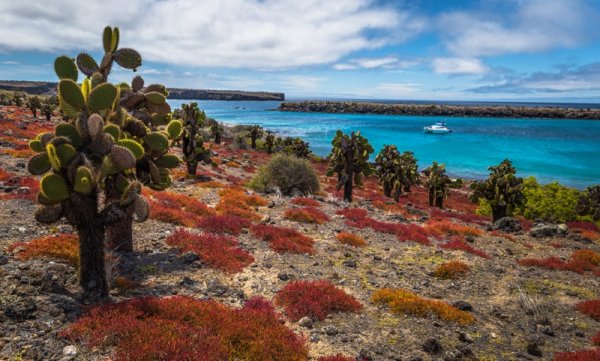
(437, 128)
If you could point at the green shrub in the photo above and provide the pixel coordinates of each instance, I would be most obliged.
(551, 202)
(288, 173)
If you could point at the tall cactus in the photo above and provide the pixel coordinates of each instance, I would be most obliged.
(34, 104)
(437, 184)
(502, 189)
(396, 172)
(589, 203)
(216, 130)
(94, 163)
(192, 142)
(410, 170)
(255, 132)
(349, 159)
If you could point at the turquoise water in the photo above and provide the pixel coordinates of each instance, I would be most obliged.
(567, 151)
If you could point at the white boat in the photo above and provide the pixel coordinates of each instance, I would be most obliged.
(437, 128)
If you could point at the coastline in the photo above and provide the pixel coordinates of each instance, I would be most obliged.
(346, 107)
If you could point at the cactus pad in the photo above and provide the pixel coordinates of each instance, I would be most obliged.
(95, 124)
(39, 164)
(70, 92)
(168, 161)
(48, 214)
(157, 141)
(107, 39)
(54, 187)
(128, 58)
(86, 64)
(137, 83)
(174, 129)
(155, 98)
(132, 190)
(141, 208)
(36, 146)
(113, 130)
(65, 68)
(84, 180)
(122, 157)
(102, 97)
(134, 147)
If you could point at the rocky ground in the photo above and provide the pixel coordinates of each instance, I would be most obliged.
(522, 313)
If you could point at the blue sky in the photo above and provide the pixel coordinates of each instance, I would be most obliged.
(544, 50)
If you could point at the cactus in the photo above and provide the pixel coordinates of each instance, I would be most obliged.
(411, 170)
(390, 171)
(254, 133)
(589, 203)
(293, 146)
(34, 104)
(269, 141)
(437, 183)
(94, 162)
(502, 189)
(216, 131)
(192, 142)
(349, 159)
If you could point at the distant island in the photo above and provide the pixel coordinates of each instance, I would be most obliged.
(439, 110)
(49, 88)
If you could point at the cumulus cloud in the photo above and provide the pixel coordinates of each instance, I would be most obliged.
(536, 26)
(459, 66)
(387, 62)
(258, 34)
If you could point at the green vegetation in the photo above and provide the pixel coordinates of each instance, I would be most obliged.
(552, 202)
(438, 184)
(349, 159)
(101, 154)
(589, 203)
(288, 173)
(502, 190)
(191, 141)
(254, 133)
(396, 172)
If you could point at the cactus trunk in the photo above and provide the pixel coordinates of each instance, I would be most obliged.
(218, 139)
(350, 174)
(253, 142)
(191, 167)
(498, 212)
(119, 236)
(92, 272)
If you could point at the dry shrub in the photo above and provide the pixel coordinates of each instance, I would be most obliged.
(451, 270)
(289, 174)
(183, 328)
(401, 301)
(314, 299)
(351, 239)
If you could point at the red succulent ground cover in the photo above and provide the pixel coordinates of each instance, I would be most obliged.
(596, 339)
(351, 239)
(580, 261)
(352, 214)
(306, 215)
(447, 228)
(590, 308)
(338, 357)
(176, 208)
(14, 180)
(183, 328)
(314, 299)
(583, 226)
(235, 202)
(412, 232)
(218, 252)
(451, 270)
(440, 214)
(284, 240)
(62, 246)
(458, 244)
(225, 224)
(307, 202)
(580, 355)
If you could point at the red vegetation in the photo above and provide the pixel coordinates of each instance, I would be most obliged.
(583, 226)
(284, 240)
(218, 252)
(183, 328)
(580, 355)
(458, 244)
(62, 246)
(590, 308)
(557, 245)
(402, 301)
(440, 214)
(447, 228)
(451, 270)
(235, 202)
(351, 239)
(580, 261)
(412, 232)
(30, 186)
(352, 214)
(338, 357)
(596, 339)
(307, 202)
(224, 224)
(315, 299)
(176, 208)
(306, 215)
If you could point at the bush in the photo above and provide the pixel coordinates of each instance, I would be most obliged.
(284, 240)
(315, 299)
(288, 173)
(217, 251)
(451, 270)
(183, 328)
(552, 202)
(351, 239)
(401, 301)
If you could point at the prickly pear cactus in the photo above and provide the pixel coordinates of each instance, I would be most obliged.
(94, 164)
(192, 141)
(438, 184)
(255, 132)
(349, 159)
(216, 130)
(589, 203)
(269, 141)
(503, 189)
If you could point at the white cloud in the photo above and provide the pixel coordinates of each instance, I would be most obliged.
(259, 34)
(537, 25)
(459, 66)
(10, 62)
(387, 62)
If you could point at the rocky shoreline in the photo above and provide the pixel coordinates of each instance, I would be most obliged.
(439, 110)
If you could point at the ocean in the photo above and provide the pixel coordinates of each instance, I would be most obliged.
(567, 151)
